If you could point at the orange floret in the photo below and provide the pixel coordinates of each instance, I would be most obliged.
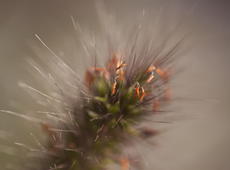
(163, 74)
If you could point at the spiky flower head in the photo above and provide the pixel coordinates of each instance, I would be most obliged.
(116, 98)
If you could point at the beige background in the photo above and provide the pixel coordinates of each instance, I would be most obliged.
(198, 137)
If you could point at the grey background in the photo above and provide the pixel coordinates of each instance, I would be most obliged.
(197, 139)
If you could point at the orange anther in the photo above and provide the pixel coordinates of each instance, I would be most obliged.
(151, 69)
(137, 90)
(151, 77)
(163, 74)
(143, 94)
(114, 62)
(114, 85)
(124, 164)
(160, 72)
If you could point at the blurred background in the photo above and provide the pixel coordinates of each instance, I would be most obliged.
(198, 135)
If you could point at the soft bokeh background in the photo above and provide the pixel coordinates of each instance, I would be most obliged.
(198, 137)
